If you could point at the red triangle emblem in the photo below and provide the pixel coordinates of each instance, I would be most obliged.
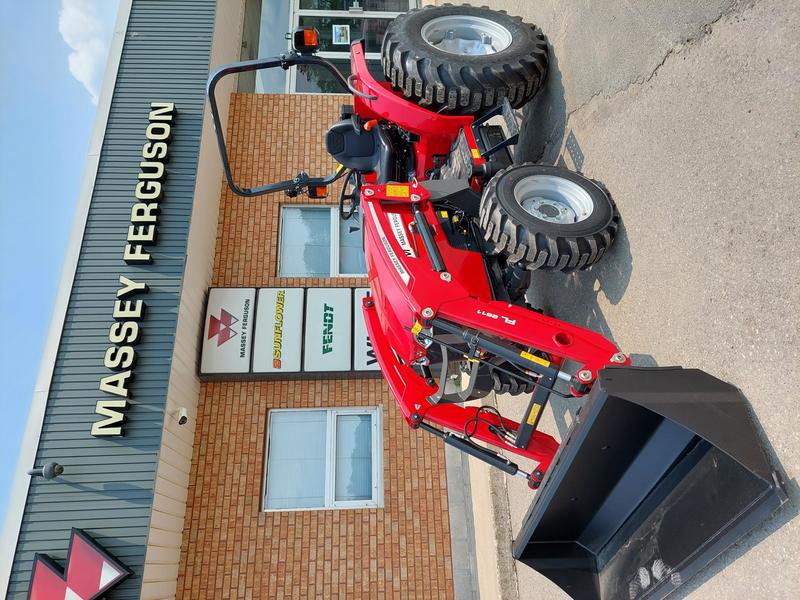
(221, 326)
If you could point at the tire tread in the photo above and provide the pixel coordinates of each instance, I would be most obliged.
(535, 250)
(450, 87)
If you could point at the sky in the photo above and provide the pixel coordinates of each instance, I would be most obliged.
(53, 56)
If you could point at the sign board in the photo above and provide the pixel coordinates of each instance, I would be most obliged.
(329, 329)
(90, 571)
(363, 354)
(286, 331)
(227, 335)
(277, 345)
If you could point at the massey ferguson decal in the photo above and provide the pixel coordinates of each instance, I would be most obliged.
(398, 266)
(400, 234)
(89, 574)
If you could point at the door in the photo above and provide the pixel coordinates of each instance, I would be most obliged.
(339, 22)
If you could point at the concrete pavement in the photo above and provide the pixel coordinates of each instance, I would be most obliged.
(688, 112)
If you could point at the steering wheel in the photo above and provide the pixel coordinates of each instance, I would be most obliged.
(348, 201)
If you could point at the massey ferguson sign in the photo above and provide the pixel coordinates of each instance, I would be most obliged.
(90, 572)
(286, 331)
(227, 336)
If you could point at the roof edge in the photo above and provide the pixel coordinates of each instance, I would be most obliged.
(30, 441)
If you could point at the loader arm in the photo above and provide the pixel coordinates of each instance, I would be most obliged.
(437, 294)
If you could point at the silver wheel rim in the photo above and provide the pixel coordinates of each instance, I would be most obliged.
(466, 35)
(554, 199)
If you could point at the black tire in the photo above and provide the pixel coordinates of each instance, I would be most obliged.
(503, 383)
(458, 83)
(534, 243)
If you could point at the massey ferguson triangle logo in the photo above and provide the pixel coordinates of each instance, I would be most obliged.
(89, 574)
(221, 327)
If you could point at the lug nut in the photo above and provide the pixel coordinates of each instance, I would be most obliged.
(427, 312)
(585, 375)
(619, 357)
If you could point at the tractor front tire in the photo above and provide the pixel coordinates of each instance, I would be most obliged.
(464, 59)
(547, 218)
(503, 383)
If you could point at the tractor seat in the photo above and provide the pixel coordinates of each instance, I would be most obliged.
(364, 151)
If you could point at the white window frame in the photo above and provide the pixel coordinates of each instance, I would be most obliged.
(334, 231)
(376, 413)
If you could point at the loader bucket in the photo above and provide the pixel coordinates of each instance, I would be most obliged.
(661, 471)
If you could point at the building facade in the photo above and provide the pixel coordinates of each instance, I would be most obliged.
(182, 482)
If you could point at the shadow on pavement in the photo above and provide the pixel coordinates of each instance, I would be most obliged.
(575, 297)
(544, 120)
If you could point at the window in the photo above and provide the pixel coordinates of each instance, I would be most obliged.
(324, 458)
(315, 242)
(338, 21)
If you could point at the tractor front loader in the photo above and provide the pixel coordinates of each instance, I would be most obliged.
(662, 469)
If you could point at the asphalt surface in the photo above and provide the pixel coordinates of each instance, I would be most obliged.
(688, 112)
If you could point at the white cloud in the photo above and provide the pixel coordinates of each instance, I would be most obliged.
(84, 32)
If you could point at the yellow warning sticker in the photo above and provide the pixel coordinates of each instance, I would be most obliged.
(476, 153)
(416, 328)
(534, 358)
(533, 414)
(397, 191)
(443, 214)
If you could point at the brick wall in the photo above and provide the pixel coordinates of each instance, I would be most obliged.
(231, 549)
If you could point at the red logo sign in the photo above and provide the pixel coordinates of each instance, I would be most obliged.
(90, 572)
(221, 327)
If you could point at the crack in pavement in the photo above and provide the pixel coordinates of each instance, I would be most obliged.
(706, 29)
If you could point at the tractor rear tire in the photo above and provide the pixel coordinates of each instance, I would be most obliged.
(464, 60)
(547, 218)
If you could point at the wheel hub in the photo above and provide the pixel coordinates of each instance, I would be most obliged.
(548, 210)
(553, 199)
(466, 35)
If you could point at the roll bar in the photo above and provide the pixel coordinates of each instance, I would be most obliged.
(302, 180)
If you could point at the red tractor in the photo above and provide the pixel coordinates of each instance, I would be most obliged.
(662, 469)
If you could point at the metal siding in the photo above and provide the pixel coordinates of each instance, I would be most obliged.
(107, 487)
